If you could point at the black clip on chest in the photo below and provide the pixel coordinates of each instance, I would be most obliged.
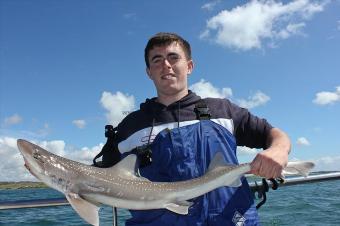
(202, 111)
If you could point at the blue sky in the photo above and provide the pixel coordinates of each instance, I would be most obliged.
(67, 68)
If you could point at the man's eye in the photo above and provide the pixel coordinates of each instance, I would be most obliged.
(174, 57)
(157, 60)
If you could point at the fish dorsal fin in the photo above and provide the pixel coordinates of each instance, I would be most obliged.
(87, 210)
(301, 168)
(217, 161)
(125, 167)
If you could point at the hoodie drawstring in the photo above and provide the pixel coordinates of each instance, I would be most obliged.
(178, 114)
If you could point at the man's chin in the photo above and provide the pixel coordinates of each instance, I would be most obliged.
(173, 91)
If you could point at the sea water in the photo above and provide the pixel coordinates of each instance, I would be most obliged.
(305, 204)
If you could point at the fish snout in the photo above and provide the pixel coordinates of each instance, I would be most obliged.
(25, 147)
(33, 160)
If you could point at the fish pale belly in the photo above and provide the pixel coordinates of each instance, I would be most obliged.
(141, 203)
(179, 207)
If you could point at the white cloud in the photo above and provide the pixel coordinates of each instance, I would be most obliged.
(324, 97)
(250, 25)
(206, 89)
(302, 141)
(256, 100)
(12, 120)
(291, 29)
(12, 165)
(327, 163)
(117, 105)
(43, 132)
(246, 151)
(80, 123)
(210, 5)
(55, 146)
(39, 133)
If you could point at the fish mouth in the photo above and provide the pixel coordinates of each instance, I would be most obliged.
(26, 164)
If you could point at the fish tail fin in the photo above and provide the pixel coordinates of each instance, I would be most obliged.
(301, 168)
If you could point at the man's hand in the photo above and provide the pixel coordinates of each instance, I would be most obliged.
(270, 162)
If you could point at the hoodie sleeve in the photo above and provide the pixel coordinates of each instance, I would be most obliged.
(249, 130)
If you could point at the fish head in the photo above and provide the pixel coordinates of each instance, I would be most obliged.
(34, 156)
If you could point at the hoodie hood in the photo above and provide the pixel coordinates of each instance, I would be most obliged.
(152, 106)
(176, 111)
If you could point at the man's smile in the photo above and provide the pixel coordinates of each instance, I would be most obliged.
(168, 76)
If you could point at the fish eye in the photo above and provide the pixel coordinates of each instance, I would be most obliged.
(38, 157)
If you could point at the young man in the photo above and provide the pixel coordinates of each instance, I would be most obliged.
(176, 135)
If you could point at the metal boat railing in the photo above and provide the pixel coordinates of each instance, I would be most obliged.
(254, 186)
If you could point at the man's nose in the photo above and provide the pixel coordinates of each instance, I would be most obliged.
(166, 63)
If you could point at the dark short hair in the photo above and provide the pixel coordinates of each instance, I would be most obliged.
(164, 38)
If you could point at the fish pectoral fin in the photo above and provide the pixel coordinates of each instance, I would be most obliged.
(87, 210)
(179, 207)
(185, 203)
(235, 183)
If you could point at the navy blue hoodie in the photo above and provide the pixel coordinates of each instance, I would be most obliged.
(135, 128)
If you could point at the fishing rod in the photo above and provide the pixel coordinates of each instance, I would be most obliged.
(261, 188)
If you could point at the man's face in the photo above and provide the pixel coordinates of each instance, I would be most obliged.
(169, 69)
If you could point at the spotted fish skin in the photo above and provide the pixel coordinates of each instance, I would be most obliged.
(87, 187)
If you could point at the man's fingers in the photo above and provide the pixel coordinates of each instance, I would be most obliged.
(265, 167)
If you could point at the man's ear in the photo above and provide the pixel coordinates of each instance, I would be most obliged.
(190, 66)
(148, 72)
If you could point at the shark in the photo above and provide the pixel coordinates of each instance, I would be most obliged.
(87, 187)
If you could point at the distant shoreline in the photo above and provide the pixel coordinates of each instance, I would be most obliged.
(22, 185)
